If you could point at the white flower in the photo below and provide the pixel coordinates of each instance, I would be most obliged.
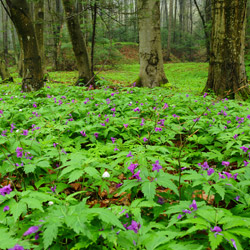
(105, 175)
(50, 203)
(16, 96)
(20, 110)
(17, 130)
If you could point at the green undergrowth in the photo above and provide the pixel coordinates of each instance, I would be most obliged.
(123, 168)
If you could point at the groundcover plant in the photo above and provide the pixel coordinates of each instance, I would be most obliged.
(123, 168)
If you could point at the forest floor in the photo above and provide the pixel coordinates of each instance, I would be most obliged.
(120, 166)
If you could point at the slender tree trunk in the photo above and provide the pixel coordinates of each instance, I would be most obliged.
(150, 50)
(21, 18)
(13, 36)
(170, 19)
(227, 74)
(5, 36)
(175, 19)
(78, 43)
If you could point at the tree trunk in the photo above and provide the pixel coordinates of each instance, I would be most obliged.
(170, 29)
(4, 74)
(227, 74)
(5, 36)
(39, 27)
(150, 50)
(20, 16)
(78, 43)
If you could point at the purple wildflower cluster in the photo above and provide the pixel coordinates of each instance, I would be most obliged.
(186, 211)
(205, 166)
(5, 190)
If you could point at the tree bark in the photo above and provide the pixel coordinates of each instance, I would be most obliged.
(170, 20)
(20, 16)
(39, 28)
(4, 74)
(150, 50)
(78, 43)
(227, 74)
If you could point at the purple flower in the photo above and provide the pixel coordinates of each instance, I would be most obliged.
(205, 94)
(5, 190)
(244, 149)
(210, 171)
(6, 208)
(116, 149)
(156, 166)
(237, 198)
(137, 110)
(103, 124)
(165, 106)
(193, 205)
(216, 229)
(235, 176)
(186, 211)
(145, 139)
(179, 216)
(235, 136)
(19, 152)
(125, 125)
(160, 201)
(158, 129)
(53, 189)
(31, 230)
(134, 226)
(221, 176)
(34, 105)
(225, 163)
(132, 167)
(234, 243)
(16, 247)
(130, 154)
(228, 175)
(55, 144)
(137, 175)
(113, 109)
(83, 133)
(246, 163)
(113, 139)
(25, 132)
(96, 135)
(204, 165)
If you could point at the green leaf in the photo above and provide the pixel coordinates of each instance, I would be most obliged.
(33, 203)
(107, 216)
(50, 233)
(148, 189)
(129, 184)
(17, 209)
(240, 231)
(92, 172)
(165, 181)
(6, 239)
(214, 240)
(75, 175)
(220, 190)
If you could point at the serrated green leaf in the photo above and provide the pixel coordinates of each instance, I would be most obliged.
(92, 172)
(33, 203)
(107, 216)
(148, 189)
(220, 190)
(128, 184)
(165, 181)
(214, 240)
(17, 209)
(6, 239)
(50, 233)
(75, 175)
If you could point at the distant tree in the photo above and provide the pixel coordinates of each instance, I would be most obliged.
(4, 73)
(227, 72)
(21, 17)
(78, 43)
(150, 51)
